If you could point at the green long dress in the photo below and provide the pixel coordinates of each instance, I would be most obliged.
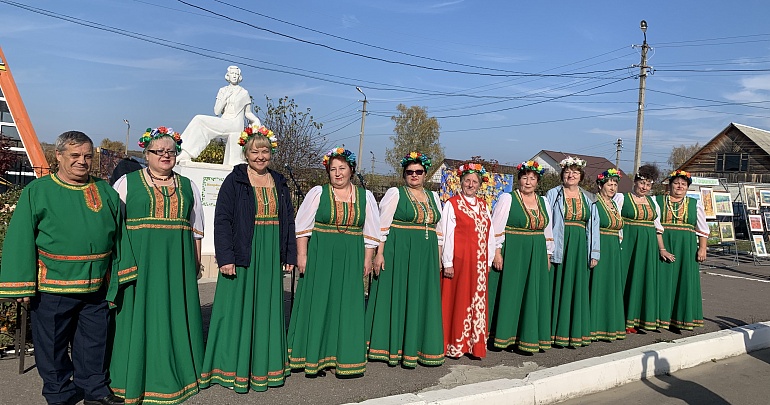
(571, 314)
(520, 294)
(681, 302)
(246, 344)
(403, 315)
(640, 261)
(608, 318)
(158, 335)
(327, 322)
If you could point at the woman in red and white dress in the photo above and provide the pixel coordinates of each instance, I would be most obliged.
(468, 250)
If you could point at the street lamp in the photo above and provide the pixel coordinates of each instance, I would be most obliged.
(128, 133)
(363, 120)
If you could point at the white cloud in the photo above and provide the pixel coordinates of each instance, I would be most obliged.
(755, 88)
(416, 7)
(350, 21)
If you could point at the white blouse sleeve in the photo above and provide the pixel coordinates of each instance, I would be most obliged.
(196, 216)
(305, 220)
(439, 231)
(701, 226)
(388, 206)
(491, 242)
(121, 186)
(619, 199)
(500, 217)
(371, 222)
(658, 225)
(448, 224)
(550, 246)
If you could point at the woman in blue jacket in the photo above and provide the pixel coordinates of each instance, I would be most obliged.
(253, 239)
(576, 251)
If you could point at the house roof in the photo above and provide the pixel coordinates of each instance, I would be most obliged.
(595, 165)
(760, 137)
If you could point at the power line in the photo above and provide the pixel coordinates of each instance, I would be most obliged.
(532, 103)
(414, 65)
(726, 103)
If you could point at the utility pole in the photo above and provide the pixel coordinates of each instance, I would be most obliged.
(372, 161)
(643, 69)
(128, 133)
(363, 121)
(619, 146)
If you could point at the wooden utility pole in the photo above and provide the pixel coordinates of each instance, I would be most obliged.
(643, 69)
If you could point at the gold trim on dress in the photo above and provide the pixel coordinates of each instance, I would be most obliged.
(90, 192)
(96, 256)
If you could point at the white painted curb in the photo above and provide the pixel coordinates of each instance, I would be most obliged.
(596, 374)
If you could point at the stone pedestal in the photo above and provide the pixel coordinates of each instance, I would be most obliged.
(208, 177)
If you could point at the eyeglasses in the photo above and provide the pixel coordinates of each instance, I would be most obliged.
(418, 172)
(161, 152)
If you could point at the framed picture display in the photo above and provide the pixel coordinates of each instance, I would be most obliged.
(727, 232)
(751, 197)
(723, 203)
(755, 223)
(759, 197)
(767, 221)
(694, 195)
(764, 198)
(707, 197)
(759, 245)
(715, 237)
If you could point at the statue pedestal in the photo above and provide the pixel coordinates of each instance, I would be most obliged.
(208, 177)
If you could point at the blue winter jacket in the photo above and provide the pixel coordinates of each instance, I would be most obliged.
(555, 197)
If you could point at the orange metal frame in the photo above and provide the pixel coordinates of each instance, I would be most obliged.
(21, 118)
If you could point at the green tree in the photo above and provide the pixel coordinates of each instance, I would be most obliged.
(300, 142)
(414, 131)
(682, 153)
(115, 146)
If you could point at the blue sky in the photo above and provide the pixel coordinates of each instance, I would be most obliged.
(75, 77)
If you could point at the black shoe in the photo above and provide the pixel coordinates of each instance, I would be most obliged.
(108, 400)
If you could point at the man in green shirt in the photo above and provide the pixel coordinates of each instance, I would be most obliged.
(57, 255)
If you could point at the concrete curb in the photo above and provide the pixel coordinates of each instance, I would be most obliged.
(597, 374)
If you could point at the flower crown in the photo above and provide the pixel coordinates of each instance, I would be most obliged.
(680, 173)
(604, 176)
(416, 157)
(349, 156)
(157, 133)
(531, 165)
(473, 168)
(572, 161)
(249, 132)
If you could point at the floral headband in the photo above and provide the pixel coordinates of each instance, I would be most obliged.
(531, 165)
(680, 173)
(157, 133)
(249, 132)
(608, 174)
(349, 156)
(572, 161)
(416, 157)
(473, 168)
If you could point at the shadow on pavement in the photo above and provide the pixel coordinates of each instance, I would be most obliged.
(687, 391)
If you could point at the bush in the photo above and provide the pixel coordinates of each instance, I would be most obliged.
(8, 202)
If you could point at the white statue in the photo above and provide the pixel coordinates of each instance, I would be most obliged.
(233, 104)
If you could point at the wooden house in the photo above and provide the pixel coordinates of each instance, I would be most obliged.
(738, 154)
(595, 165)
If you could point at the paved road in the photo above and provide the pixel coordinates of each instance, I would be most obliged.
(731, 297)
(738, 380)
